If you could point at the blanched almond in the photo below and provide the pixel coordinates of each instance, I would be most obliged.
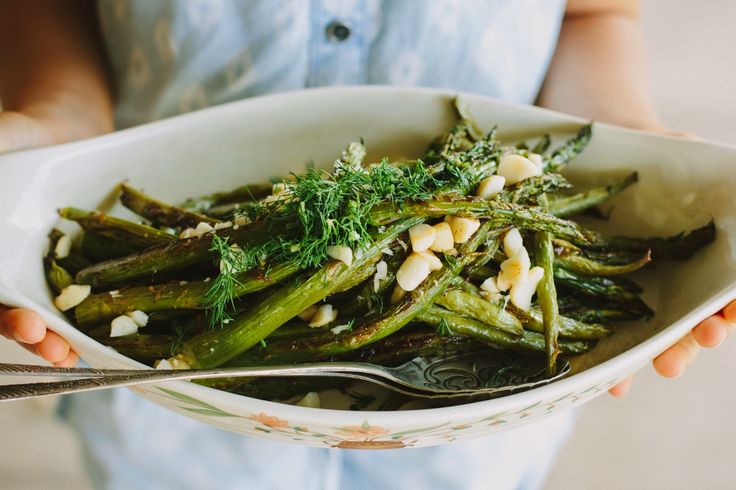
(122, 326)
(502, 282)
(514, 270)
(516, 168)
(522, 292)
(308, 313)
(490, 286)
(223, 225)
(512, 242)
(63, 247)
(188, 233)
(340, 328)
(435, 263)
(422, 237)
(412, 272)
(171, 363)
(71, 296)
(325, 314)
(139, 317)
(491, 186)
(310, 400)
(241, 220)
(342, 253)
(537, 160)
(443, 239)
(203, 228)
(162, 364)
(463, 228)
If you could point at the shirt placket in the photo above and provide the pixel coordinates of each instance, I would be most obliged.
(338, 45)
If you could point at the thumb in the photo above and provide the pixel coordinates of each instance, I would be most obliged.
(19, 131)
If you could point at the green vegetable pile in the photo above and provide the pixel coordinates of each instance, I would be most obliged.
(349, 264)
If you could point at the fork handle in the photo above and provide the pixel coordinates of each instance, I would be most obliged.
(133, 377)
(8, 369)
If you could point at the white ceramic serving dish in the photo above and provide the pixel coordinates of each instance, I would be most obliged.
(682, 184)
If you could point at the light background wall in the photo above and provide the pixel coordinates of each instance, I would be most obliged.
(672, 434)
(677, 434)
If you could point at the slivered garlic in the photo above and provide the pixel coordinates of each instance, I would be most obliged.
(537, 160)
(522, 292)
(122, 326)
(203, 228)
(490, 187)
(412, 272)
(223, 224)
(515, 168)
(342, 253)
(308, 313)
(325, 314)
(381, 273)
(512, 242)
(397, 294)
(340, 328)
(241, 220)
(71, 296)
(387, 251)
(462, 228)
(421, 236)
(443, 240)
(310, 400)
(140, 318)
(435, 263)
(63, 247)
(188, 233)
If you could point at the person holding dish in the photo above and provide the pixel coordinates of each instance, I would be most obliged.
(72, 70)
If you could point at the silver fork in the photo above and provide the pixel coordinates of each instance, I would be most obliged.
(460, 376)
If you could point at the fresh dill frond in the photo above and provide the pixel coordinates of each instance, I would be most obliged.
(178, 339)
(220, 296)
(451, 260)
(315, 210)
(443, 329)
(466, 169)
(375, 301)
(334, 208)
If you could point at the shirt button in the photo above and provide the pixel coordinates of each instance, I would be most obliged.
(337, 32)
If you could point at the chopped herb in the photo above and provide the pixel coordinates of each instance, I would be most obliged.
(443, 329)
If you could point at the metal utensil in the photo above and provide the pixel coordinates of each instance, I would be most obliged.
(461, 376)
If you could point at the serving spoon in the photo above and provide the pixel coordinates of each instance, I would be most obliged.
(465, 375)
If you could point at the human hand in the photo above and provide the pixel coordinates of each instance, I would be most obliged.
(28, 129)
(28, 329)
(709, 333)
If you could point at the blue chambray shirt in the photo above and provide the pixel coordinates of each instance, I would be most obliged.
(175, 56)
